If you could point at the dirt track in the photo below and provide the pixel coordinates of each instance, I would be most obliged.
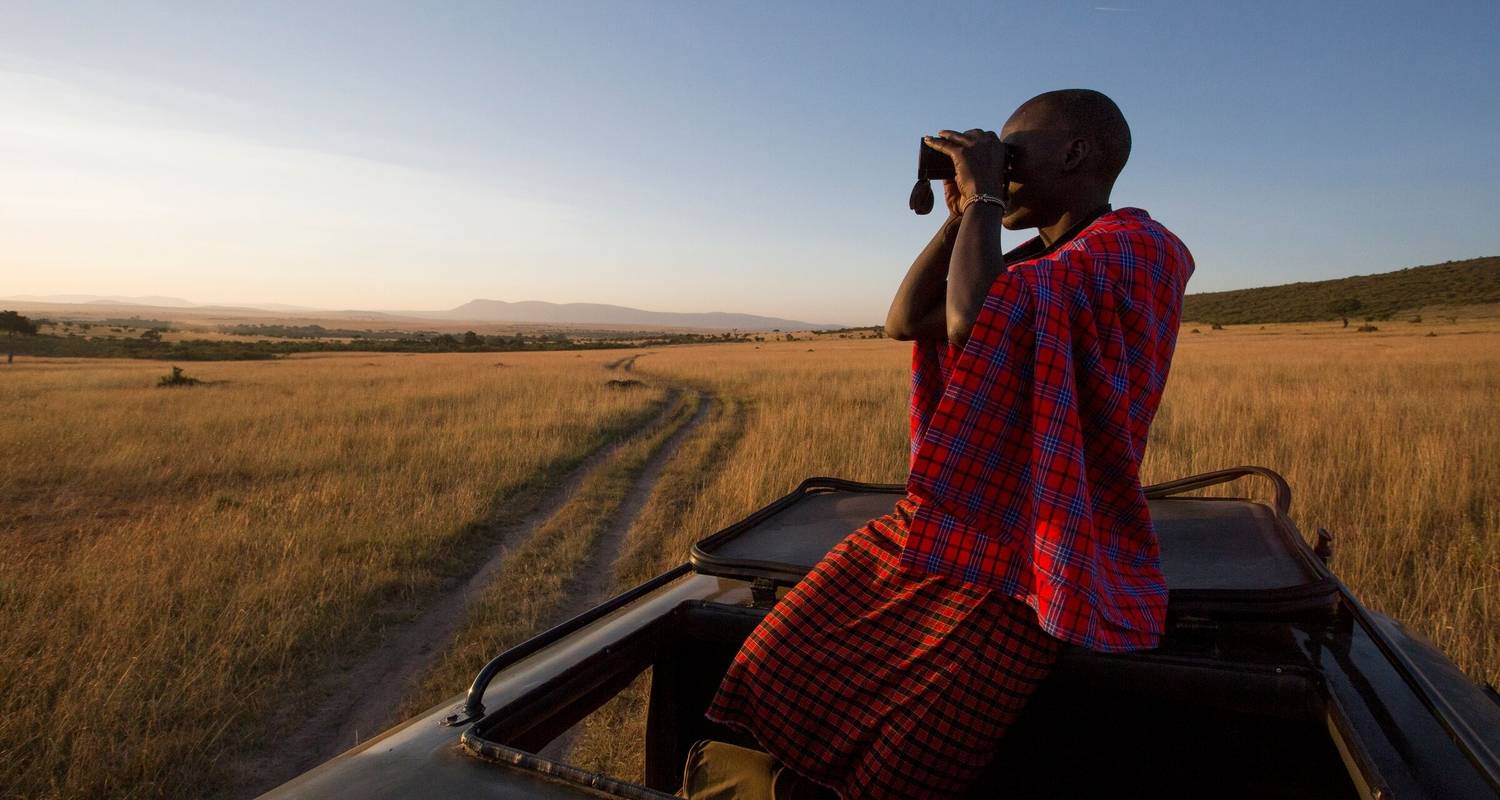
(593, 582)
(362, 699)
(625, 364)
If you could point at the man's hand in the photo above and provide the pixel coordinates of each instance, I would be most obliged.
(917, 311)
(954, 198)
(978, 160)
(979, 168)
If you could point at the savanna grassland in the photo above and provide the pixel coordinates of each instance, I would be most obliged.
(178, 562)
(1390, 440)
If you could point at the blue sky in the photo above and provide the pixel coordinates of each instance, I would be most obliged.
(749, 157)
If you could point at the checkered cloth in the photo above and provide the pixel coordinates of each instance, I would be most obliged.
(1026, 443)
(895, 667)
(878, 682)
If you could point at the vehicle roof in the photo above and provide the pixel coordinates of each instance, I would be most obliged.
(1422, 728)
(1207, 544)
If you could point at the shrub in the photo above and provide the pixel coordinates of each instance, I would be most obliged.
(1366, 329)
(176, 378)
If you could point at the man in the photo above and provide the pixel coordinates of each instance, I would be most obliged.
(895, 667)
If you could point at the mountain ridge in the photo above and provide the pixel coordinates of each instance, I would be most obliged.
(1466, 282)
(538, 311)
(1471, 281)
(478, 310)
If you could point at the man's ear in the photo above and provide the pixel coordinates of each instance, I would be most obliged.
(1076, 153)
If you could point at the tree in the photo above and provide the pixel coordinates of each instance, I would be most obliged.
(472, 339)
(14, 324)
(1344, 307)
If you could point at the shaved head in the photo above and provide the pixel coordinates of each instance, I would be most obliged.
(1068, 148)
(1087, 114)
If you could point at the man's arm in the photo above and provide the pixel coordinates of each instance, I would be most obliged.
(976, 262)
(917, 310)
(979, 166)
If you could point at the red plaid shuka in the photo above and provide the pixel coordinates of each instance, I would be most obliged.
(895, 667)
(878, 682)
(1026, 444)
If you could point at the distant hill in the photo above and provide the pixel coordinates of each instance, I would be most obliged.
(1455, 283)
(524, 312)
(145, 302)
(156, 301)
(601, 314)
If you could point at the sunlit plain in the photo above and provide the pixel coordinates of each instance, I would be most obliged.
(177, 562)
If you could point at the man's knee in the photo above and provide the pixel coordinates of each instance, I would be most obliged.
(719, 771)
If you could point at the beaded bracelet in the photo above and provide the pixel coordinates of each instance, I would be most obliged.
(983, 198)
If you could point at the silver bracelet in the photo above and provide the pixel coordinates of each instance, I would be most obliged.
(983, 198)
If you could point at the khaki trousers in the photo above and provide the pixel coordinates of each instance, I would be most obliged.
(719, 771)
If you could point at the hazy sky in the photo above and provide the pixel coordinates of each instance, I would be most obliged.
(749, 157)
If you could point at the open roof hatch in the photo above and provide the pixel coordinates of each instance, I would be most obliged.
(1221, 556)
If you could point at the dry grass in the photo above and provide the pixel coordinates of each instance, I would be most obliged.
(530, 588)
(612, 739)
(1391, 440)
(175, 562)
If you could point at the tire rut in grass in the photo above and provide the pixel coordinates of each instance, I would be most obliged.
(602, 579)
(533, 581)
(366, 697)
(610, 741)
(625, 364)
(593, 582)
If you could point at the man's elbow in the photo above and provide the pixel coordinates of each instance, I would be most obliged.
(959, 328)
(899, 329)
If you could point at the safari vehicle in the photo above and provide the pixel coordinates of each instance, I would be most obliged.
(1272, 680)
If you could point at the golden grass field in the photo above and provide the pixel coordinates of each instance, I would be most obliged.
(178, 563)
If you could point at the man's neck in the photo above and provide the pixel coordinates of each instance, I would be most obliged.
(1068, 219)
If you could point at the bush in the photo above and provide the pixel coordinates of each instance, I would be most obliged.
(176, 378)
(1216, 326)
(1366, 329)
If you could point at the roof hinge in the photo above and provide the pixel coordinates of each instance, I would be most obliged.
(762, 593)
(1324, 548)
